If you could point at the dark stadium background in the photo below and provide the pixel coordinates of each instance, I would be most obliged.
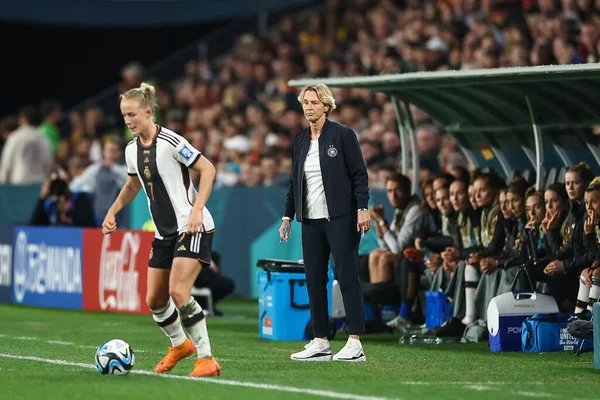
(72, 64)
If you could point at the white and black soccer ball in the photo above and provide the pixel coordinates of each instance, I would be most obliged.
(115, 357)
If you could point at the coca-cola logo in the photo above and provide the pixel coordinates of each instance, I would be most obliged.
(118, 280)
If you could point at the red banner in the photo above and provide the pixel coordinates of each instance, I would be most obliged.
(114, 270)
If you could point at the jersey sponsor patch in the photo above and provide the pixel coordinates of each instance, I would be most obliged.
(186, 152)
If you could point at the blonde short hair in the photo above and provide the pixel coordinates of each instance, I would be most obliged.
(323, 93)
(145, 94)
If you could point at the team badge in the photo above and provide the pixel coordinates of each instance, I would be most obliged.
(332, 152)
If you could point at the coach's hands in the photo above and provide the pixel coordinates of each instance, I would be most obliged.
(284, 233)
(109, 225)
(363, 221)
(195, 222)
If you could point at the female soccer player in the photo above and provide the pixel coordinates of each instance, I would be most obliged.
(158, 160)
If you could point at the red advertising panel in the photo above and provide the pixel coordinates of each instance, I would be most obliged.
(114, 270)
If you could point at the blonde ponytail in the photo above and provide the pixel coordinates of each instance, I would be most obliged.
(145, 94)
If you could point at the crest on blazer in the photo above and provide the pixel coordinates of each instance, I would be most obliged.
(332, 151)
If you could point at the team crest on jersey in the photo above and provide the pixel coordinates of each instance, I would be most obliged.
(186, 152)
(332, 151)
(147, 173)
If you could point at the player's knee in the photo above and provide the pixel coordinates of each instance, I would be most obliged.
(156, 302)
(374, 257)
(179, 294)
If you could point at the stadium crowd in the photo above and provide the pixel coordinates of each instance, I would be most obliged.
(240, 112)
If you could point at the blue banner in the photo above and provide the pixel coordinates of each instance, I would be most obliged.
(47, 267)
(6, 244)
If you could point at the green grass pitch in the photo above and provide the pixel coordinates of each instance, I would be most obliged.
(49, 354)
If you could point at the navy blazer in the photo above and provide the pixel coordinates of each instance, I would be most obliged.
(343, 170)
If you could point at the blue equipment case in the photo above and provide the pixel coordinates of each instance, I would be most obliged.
(283, 306)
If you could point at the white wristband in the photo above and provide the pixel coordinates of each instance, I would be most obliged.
(285, 218)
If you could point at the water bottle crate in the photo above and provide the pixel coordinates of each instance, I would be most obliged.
(438, 309)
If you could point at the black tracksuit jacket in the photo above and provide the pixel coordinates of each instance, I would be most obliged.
(343, 170)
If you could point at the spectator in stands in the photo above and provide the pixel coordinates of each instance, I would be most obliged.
(428, 143)
(51, 115)
(270, 170)
(133, 75)
(7, 125)
(27, 155)
(57, 206)
(105, 179)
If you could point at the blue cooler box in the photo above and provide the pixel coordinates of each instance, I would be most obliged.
(506, 313)
(283, 308)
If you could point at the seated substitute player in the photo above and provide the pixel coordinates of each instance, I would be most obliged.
(158, 160)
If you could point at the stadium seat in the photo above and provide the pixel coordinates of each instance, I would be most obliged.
(551, 177)
(529, 176)
(207, 294)
(561, 175)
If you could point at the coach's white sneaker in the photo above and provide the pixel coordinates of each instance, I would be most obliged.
(315, 350)
(351, 352)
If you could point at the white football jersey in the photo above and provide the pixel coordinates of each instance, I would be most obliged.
(162, 168)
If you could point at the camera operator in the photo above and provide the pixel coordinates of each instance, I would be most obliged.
(57, 206)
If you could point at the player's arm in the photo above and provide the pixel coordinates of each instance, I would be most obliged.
(127, 194)
(207, 178)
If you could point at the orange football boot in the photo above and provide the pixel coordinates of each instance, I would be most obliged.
(175, 355)
(206, 367)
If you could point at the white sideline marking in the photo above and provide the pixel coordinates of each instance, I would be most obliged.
(479, 388)
(265, 386)
(59, 342)
(534, 394)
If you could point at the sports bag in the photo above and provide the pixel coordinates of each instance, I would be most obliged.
(548, 332)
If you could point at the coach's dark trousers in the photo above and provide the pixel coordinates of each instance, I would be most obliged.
(339, 237)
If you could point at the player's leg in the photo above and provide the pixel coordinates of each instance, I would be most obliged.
(163, 309)
(190, 252)
(583, 296)
(374, 265)
(472, 276)
(595, 289)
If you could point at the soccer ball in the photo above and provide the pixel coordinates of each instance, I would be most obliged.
(115, 357)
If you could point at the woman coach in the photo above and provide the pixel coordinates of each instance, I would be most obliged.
(328, 193)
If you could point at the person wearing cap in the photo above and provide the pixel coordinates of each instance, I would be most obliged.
(328, 193)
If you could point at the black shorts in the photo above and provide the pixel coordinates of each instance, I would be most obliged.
(197, 246)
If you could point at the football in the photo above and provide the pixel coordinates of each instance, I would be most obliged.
(115, 357)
